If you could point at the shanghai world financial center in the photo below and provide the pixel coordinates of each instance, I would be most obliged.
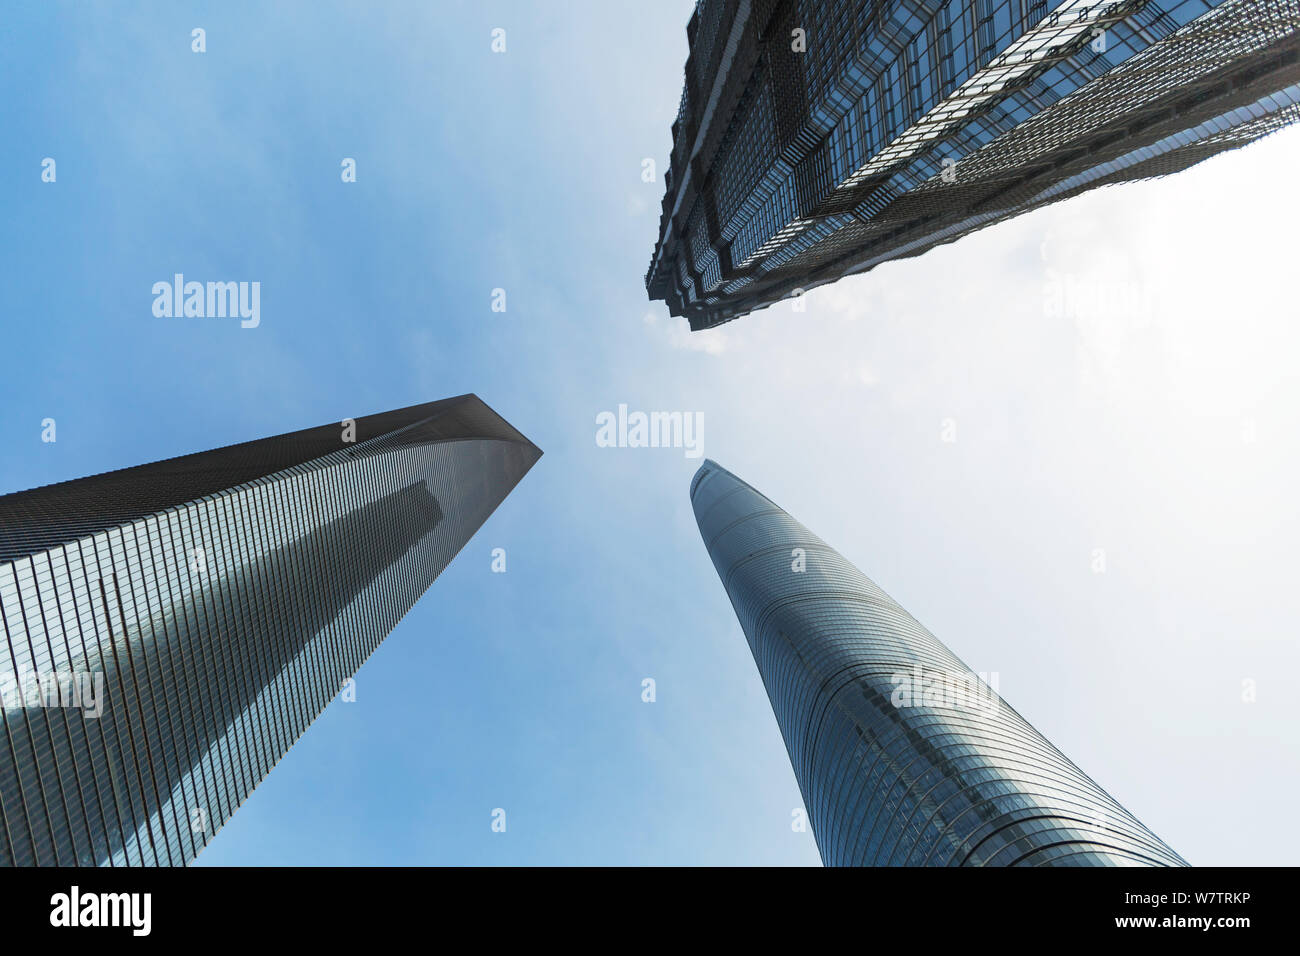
(172, 629)
(218, 601)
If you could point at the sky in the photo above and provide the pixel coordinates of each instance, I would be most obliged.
(1104, 383)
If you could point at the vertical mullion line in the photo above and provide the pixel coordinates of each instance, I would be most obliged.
(198, 727)
(277, 542)
(209, 732)
(136, 797)
(144, 748)
(230, 676)
(275, 545)
(847, 750)
(420, 465)
(283, 497)
(192, 782)
(373, 478)
(347, 567)
(49, 732)
(157, 700)
(350, 567)
(331, 569)
(380, 466)
(100, 832)
(410, 471)
(271, 632)
(215, 583)
(402, 472)
(195, 721)
(114, 770)
(393, 476)
(400, 475)
(170, 686)
(430, 460)
(244, 593)
(446, 474)
(845, 788)
(829, 722)
(311, 515)
(235, 677)
(315, 510)
(304, 672)
(363, 603)
(67, 720)
(261, 706)
(22, 796)
(263, 634)
(425, 460)
(421, 459)
(368, 596)
(378, 471)
(220, 747)
(312, 511)
(302, 506)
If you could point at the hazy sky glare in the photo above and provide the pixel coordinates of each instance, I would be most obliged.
(1160, 425)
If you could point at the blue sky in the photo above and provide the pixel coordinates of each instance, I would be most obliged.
(1160, 426)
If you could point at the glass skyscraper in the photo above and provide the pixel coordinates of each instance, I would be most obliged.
(819, 138)
(904, 757)
(171, 629)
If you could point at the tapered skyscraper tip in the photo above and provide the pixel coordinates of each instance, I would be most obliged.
(903, 756)
(202, 611)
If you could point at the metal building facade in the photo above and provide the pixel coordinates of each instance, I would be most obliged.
(222, 599)
(895, 768)
(819, 138)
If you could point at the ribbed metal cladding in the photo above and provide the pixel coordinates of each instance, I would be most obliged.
(889, 780)
(222, 599)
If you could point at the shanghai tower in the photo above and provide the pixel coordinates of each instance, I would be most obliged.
(819, 138)
(172, 628)
(903, 757)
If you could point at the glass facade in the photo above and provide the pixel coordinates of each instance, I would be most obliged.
(819, 138)
(904, 757)
(171, 629)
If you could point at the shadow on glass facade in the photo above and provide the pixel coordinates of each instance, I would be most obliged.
(903, 124)
(172, 629)
(904, 757)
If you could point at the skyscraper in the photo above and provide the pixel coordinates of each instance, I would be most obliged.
(903, 756)
(171, 629)
(818, 138)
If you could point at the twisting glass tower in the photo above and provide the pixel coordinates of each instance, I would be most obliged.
(171, 629)
(904, 757)
(819, 138)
